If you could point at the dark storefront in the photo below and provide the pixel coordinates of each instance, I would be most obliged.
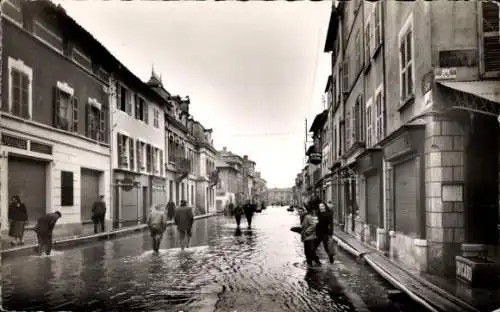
(404, 151)
(370, 165)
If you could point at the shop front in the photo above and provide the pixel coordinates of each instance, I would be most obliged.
(132, 198)
(403, 152)
(370, 166)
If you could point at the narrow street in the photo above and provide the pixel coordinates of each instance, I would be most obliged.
(261, 269)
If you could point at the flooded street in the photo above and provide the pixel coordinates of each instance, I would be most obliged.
(261, 269)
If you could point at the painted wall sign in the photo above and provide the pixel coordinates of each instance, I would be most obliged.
(14, 141)
(445, 73)
(458, 58)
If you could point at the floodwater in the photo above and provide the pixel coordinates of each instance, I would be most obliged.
(258, 269)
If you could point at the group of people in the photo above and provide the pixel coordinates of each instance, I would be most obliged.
(18, 218)
(316, 228)
(247, 208)
(156, 221)
(183, 218)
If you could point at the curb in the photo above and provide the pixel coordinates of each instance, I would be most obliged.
(391, 279)
(66, 243)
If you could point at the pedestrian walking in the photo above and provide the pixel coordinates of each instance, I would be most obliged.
(324, 230)
(99, 213)
(238, 212)
(230, 209)
(309, 237)
(170, 210)
(43, 229)
(157, 224)
(184, 220)
(18, 216)
(249, 210)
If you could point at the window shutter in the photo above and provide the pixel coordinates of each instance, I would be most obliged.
(367, 42)
(16, 92)
(146, 111)
(89, 120)
(57, 106)
(162, 162)
(138, 152)
(137, 106)
(353, 124)
(345, 74)
(25, 100)
(382, 115)
(118, 95)
(120, 148)
(75, 113)
(378, 21)
(128, 107)
(102, 124)
(131, 152)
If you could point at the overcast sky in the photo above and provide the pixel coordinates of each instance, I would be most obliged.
(253, 70)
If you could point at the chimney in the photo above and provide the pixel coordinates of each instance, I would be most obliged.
(224, 149)
(245, 157)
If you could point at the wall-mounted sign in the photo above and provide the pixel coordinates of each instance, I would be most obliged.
(445, 73)
(315, 158)
(458, 58)
(452, 192)
(14, 141)
(464, 271)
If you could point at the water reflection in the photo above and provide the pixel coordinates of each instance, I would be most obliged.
(260, 268)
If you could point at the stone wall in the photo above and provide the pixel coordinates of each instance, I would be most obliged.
(444, 148)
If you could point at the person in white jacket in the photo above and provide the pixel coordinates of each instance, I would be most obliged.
(157, 223)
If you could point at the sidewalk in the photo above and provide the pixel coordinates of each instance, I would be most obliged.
(437, 294)
(62, 240)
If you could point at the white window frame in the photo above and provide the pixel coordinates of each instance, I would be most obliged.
(380, 117)
(407, 26)
(369, 123)
(66, 88)
(19, 65)
(377, 7)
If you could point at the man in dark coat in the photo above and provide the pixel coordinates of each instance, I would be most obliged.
(238, 212)
(249, 209)
(43, 229)
(98, 213)
(184, 220)
(170, 210)
(324, 229)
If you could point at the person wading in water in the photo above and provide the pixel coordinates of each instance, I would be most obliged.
(184, 220)
(157, 223)
(43, 229)
(324, 230)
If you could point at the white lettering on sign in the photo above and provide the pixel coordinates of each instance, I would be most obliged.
(445, 73)
(464, 271)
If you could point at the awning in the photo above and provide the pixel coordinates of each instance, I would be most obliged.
(488, 90)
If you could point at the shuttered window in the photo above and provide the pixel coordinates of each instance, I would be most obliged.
(345, 74)
(20, 93)
(65, 111)
(66, 188)
(131, 152)
(491, 36)
(377, 25)
(162, 163)
(369, 124)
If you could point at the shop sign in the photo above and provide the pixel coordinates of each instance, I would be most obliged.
(458, 58)
(445, 73)
(464, 271)
(14, 141)
(127, 184)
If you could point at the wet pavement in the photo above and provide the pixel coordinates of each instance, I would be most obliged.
(261, 269)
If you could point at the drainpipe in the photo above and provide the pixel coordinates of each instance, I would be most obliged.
(111, 94)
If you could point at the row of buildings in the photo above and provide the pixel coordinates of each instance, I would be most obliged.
(281, 196)
(408, 147)
(76, 123)
(238, 180)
